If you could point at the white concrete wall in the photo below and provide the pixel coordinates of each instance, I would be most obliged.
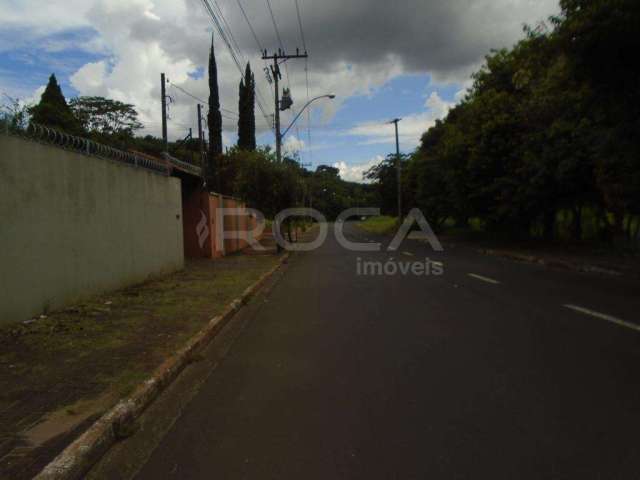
(73, 225)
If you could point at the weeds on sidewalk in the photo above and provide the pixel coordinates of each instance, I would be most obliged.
(65, 368)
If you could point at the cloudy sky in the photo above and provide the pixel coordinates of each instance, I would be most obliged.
(383, 59)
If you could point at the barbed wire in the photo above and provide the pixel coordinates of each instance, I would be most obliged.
(50, 136)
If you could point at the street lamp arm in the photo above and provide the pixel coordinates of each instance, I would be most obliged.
(302, 110)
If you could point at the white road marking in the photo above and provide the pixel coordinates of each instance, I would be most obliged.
(604, 316)
(484, 279)
(440, 264)
(408, 254)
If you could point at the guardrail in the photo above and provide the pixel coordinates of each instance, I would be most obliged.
(50, 136)
(182, 165)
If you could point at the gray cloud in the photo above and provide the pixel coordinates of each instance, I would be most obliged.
(442, 37)
(354, 45)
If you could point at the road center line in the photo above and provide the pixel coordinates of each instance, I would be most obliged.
(408, 254)
(484, 279)
(603, 316)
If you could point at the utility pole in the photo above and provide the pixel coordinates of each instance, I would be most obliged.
(164, 112)
(200, 138)
(278, 58)
(398, 169)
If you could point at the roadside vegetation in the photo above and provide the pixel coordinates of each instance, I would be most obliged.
(545, 144)
(379, 225)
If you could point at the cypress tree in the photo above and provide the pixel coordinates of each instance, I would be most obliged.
(251, 94)
(53, 110)
(243, 140)
(214, 119)
(246, 107)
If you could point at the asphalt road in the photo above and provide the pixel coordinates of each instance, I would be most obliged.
(482, 372)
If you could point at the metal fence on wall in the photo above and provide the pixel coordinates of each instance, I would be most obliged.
(50, 136)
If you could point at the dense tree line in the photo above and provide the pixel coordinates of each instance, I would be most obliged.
(548, 132)
(271, 186)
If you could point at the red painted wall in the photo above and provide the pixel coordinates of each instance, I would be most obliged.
(199, 210)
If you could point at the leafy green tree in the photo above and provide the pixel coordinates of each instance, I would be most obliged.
(384, 176)
(547, 128)
(105, 117)
(53, 111)
(600, 40)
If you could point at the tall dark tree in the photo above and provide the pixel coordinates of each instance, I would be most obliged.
(251, 115)
(242, 121)
(246, 111)
(53, 110)
(215, 125)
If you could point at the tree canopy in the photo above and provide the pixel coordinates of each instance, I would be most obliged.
(105, 116)
(548, 130)
(53, 111)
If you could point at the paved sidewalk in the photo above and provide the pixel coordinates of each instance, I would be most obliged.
(61, 372)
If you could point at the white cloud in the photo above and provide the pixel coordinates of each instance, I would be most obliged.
(354, 172)
(26, 21)
(410, 128)
(90, 77)
(35, 97)
(292, 144)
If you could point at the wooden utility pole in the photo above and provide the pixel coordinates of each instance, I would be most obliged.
(278, 58)
(164, 112)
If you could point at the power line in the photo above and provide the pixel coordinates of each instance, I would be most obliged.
(253, 32)
(255, 37)
(275, 26)
(234, 55)
(199, 99)
(230, 32)
(304, 43)
(238, 50)
(306, 74)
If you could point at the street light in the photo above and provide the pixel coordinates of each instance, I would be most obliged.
(329, 96)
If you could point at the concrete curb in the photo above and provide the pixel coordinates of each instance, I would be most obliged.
(75, 460)
(553, 262)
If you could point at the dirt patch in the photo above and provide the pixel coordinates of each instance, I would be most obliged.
(60, 371)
